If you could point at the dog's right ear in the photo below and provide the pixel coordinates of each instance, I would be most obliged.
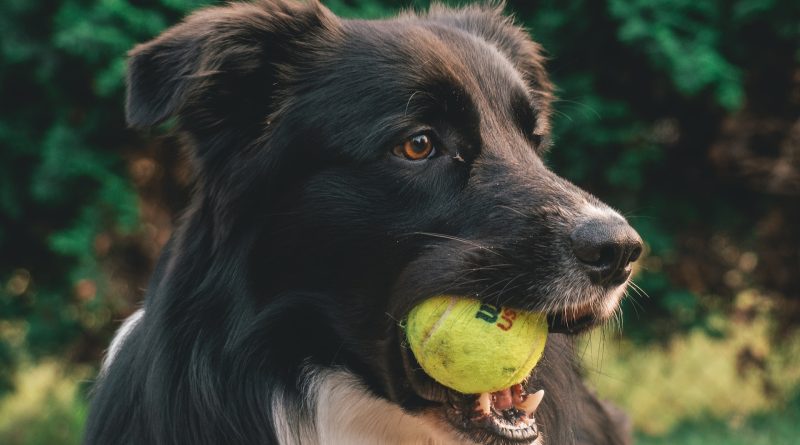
(488, 21)
(204, 65)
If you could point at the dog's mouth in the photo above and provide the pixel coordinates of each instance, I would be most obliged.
(573, 320)
(502, 417)
(508, 414)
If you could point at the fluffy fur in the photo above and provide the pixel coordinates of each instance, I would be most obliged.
(272, 317)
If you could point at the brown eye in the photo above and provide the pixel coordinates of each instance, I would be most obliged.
(416, 148)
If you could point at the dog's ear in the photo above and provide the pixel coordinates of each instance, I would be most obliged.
(490, 23)
(219, 62)
(222, 73)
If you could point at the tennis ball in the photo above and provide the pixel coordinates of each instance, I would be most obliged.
(474, 347)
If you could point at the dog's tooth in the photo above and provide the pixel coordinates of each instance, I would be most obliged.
(485, 403)
(531, 403)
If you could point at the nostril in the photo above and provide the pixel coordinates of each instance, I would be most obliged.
(592, 245)
(606, 248)
(608, 255)
(586, 252)
(636, 253)
(599, 255)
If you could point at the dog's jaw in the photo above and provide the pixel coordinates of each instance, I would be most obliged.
(459, 411)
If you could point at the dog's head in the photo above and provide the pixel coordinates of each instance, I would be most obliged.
(374, 164)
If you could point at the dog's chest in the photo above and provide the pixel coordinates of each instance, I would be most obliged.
(345, 413)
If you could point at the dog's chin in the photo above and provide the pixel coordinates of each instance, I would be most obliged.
(580, 317)
(506, 417)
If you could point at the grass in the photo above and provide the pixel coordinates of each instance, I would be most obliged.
(696, 379)
(47, 408)
(777, 427)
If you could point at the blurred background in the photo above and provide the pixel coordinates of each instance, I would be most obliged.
(683, 114)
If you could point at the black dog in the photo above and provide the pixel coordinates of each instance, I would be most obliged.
(347, 170)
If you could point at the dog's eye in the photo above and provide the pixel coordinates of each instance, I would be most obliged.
(416, 148)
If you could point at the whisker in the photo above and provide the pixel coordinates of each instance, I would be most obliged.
(512, 209)
(493, 266)
(506, 288)
(497, 296)
(580, 105)
(639, 289)
(561, 113)
(496, 283)
(455, 238)
(634, 303)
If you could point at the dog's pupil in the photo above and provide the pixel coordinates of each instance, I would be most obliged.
(420, 146)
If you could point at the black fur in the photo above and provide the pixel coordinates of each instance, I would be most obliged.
(307, 240)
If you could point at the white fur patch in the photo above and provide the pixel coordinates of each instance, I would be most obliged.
(610, 304)
(346, 413)
(119, 338)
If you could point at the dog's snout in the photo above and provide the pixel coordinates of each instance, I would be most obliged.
(606, 248)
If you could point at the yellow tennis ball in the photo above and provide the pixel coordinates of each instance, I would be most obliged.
(474, 347)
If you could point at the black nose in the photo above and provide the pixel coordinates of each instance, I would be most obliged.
(606, 248)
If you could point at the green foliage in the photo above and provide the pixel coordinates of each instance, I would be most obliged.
(62, 177)
(681, 37)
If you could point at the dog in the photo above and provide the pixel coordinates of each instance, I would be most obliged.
(347, 170)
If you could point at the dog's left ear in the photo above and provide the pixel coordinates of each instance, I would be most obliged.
(222, 74)
(490, 23)
(220, 64)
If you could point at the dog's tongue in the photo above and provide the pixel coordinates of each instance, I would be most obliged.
(513, 397)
